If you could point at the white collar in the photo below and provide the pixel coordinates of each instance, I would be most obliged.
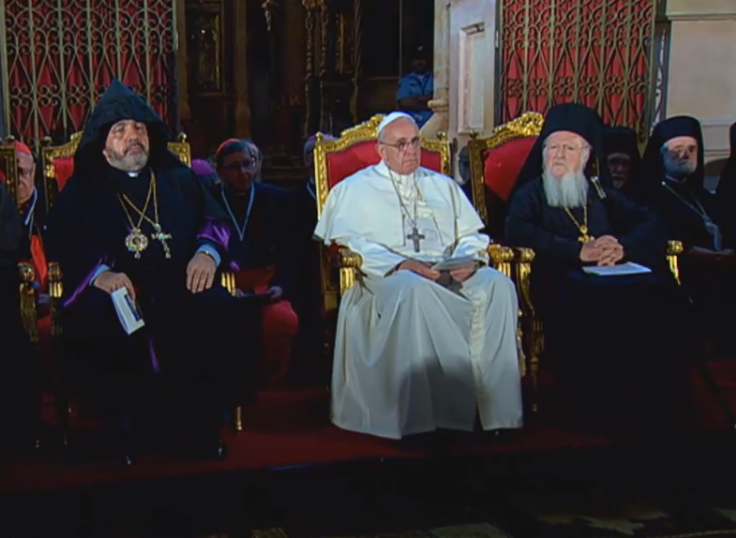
(383, 169)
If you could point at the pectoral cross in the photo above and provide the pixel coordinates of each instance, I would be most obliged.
(584, 236)
(159, 235)
(416, 237)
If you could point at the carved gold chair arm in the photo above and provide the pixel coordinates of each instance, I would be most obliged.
(501, 258)
(28, 296)
(674, 249)
(523, 258)
(56, 292)
(348, 263)
(228, 282)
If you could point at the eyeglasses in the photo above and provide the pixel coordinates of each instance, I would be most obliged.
(245, 164)
(565, 148)
(403, 145)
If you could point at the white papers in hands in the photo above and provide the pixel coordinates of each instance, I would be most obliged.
(623, 269)
(450, 264)
(128, 313)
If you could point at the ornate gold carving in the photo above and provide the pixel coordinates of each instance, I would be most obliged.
(228, 282)
(28, 310)
(501, 258)
(239, 418)
(674, 249)
(10, 167)
(56, 292)
(528, 124)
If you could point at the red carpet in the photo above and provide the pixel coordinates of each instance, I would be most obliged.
(291, 429)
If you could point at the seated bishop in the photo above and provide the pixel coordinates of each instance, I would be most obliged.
(600, 328)
(258, 247)
(133, 217)
(420, 346)
(19, 398)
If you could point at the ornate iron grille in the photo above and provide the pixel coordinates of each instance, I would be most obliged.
(60, 55)
(597, 52)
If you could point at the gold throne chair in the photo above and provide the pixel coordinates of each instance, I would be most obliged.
(495, 163)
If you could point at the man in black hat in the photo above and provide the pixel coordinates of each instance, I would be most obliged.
(621, 146)
(134, 217)
(726, 192)
(675, 172)
(416, 88)
(600, 327)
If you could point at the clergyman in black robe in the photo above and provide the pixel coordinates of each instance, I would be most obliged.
(610, 337)
(259, 249)
(133, 216)
(675, 171)
(19, 377)
(621, 145)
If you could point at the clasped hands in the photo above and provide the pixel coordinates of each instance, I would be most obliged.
(604, 251)
(461, 274)
(200, 277)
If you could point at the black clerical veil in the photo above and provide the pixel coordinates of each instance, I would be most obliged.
(653, 163)
(578, 119)
(619, 139)
(81, 226)
(727, 182)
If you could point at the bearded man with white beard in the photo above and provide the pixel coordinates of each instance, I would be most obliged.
(599, 332)
(674, 171)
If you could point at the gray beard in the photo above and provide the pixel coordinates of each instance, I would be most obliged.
(571, 190)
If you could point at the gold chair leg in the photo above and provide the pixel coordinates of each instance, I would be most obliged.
(239, 418)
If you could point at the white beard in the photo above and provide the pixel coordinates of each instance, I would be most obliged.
(571, 190)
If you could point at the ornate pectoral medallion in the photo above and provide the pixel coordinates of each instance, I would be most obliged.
(136, 242)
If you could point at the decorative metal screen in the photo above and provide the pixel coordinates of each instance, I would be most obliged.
(597, 52)
(60, 55)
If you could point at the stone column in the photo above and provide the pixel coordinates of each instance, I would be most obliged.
(701, 74)
(440, 121)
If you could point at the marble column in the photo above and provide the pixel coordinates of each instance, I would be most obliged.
(440, 120)
(701, 74)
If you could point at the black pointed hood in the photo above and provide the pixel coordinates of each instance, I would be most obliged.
(668, 129)
(576, 118)
(119, 103)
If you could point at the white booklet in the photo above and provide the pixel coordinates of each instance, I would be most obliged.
(128, 313)
(453, 263)
(623, 269)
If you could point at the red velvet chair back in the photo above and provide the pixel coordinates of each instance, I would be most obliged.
(495, 163)
(356, 149)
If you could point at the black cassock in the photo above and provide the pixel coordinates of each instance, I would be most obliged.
(193, 343)
(615, 337)
(19, 375)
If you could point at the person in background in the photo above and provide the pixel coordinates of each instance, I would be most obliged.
(417, 88)
(621, 146)
(259, 248)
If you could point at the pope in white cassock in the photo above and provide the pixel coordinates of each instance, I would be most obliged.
(418, 348)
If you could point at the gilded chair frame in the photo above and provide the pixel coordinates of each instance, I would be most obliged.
(28, 309)
(348, 263)
(528, 124)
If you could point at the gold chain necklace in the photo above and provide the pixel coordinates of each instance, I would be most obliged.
(136, 242)
(582, 228)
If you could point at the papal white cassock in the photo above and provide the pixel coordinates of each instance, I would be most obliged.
(412, 356)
